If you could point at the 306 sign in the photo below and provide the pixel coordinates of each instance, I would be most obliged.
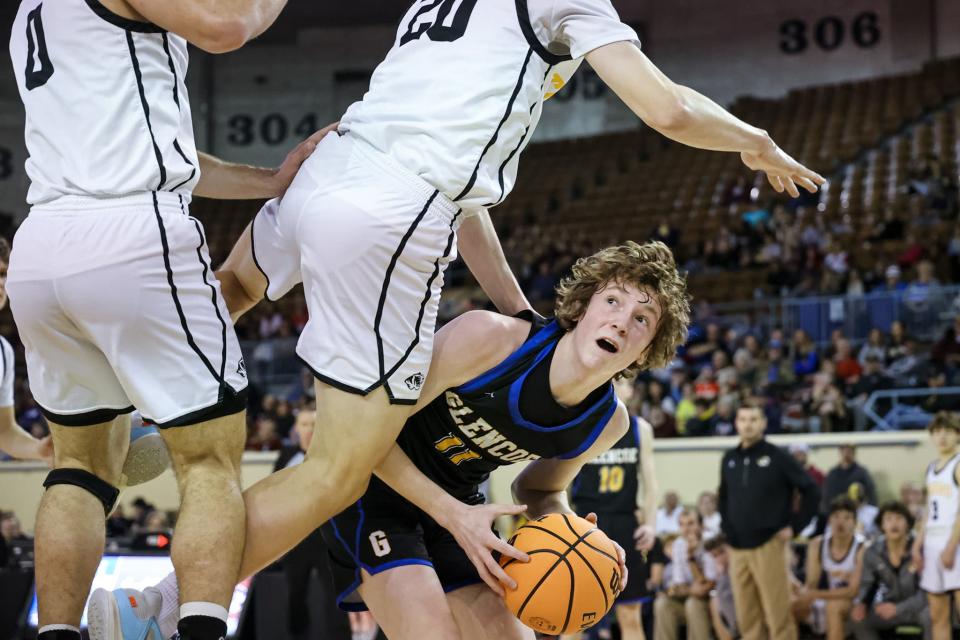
(829, 33)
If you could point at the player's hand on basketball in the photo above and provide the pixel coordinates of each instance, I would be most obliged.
(783, 172)
(949, 556)
(287, 170)
(472, 528)
(644, 537)
(621, 554)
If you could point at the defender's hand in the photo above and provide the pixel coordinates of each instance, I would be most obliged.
(284, 174)
(783, 172)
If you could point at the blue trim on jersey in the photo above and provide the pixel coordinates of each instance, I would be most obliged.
(597, 430)
(519, 420)
(635, 427)
(351, 606)
(533, 343)
(393, 564)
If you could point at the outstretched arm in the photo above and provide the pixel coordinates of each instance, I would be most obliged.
(216, 26)
(17, 443)
(480, 247)
(684, 115)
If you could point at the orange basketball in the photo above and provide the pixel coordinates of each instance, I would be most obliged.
(572, 578)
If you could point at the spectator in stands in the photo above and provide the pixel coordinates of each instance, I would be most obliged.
(157, 522)
(936, 378)
(917, 294)
(704, 421)
(664, 425)
(709, 516)
(872, 347)
(668, 516)
(847, 367)
(686, 408)
(947, 350)
(806, 361)
(827, 403)
(855, 284)
(836, 558)
(847, 472)
(889, 594)
(758, 481)
(265, 436)
(892, 282)
(774, 373)
(872, 379)
(912, 252)
(896, 342)
(10, 528)
(911, 495)
(801, 453)
(688, 596)
(891, 228)
(723, 611)
(906, 370)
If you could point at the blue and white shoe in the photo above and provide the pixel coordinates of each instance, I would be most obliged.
(121, 614)
(147, 457)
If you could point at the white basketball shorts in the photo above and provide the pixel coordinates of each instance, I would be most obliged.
(935, 578)
(370, 241)
(118, 308)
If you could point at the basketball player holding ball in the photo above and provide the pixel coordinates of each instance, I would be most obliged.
(500, 390)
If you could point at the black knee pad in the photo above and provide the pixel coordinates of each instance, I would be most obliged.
(103, 491)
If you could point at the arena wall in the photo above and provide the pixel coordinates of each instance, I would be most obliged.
(688, 466)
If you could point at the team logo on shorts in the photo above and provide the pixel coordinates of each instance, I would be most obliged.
(414, 382)
(242, 368)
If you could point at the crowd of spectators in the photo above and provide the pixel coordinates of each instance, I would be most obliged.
(805, 387)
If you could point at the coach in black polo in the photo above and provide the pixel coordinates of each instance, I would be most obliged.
(758, 481)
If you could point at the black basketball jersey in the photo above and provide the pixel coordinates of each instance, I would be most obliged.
(505, 415)
(608, 483)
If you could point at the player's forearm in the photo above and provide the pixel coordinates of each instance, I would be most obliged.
(480, 247)
(19, 444)
(229, 181)
(706, 125)
(399, 472)
(540, 503)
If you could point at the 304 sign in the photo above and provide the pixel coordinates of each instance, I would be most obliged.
(244, 130)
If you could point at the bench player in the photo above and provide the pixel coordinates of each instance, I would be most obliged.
(500, 390)
(371, 220)
(935, 551)
(111, 286)
(609, 486)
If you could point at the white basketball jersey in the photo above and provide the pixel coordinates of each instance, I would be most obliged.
(943, 497)
(107, 112)
(7, 374)
(839, 572)
(460, 93)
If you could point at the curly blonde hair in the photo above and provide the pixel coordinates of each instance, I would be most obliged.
(650, 266)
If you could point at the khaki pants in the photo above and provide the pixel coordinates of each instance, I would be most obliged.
(761, 591)
(669, 613)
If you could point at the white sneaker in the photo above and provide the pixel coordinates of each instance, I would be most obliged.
(121, 614)
(146, 459)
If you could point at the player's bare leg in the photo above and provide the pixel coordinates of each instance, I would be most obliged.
(71, 523)
(482, 615)
(631, 625)
(940, 615)
(422, 613)
(353, 434)
(209, 536)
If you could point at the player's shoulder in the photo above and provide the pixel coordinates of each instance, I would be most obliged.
(487, 338)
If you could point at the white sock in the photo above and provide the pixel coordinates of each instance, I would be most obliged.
(58, 627)
(169, 593)
(208, 609)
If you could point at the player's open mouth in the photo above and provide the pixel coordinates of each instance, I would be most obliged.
(608, 345)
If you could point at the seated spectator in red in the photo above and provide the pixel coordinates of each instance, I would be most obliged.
(265, 436)
(847, 367)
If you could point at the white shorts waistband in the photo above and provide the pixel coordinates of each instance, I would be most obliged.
(73, 203)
